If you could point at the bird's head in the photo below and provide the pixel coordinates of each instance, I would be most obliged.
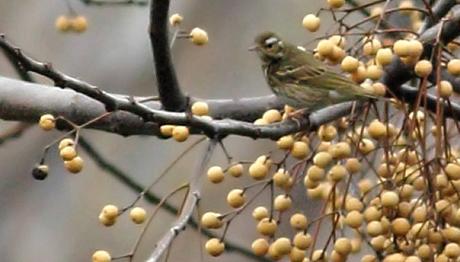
(268, 46)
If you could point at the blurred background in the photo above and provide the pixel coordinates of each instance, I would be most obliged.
(56, 219)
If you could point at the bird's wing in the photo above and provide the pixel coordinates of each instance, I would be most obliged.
(314, 74)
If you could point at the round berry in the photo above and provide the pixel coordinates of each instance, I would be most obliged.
(389, 199)
(349, 64)
(282, 246)
(298, 221)
(258, 170)
(325, 47)
(166, 130)
(175, 19)
(343, 246)
(260, 213)
(453, 67)
(300, 150)
(62, 23)
(285, 142)
(198, 36)
(282, 203)
(47, 122)
(180, 133)
(68, 153)
(75, 165)
(384, 56)
(101, 256)
(214, 247)
(235, 198)
(336, 3)
(260, 247)
(137, 215)
(66, 142)
(302, 240)
(200, 108)
(267, 227)
(423, 68)
(311, 22)
(281, 178)
(40, 172)
(211, 220)
(236, 170)
(445, 89)
(79, 24)
(401, 48)
(110, 211)
(215, 174)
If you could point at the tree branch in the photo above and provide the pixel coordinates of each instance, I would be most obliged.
(171, 95)
(189, 207)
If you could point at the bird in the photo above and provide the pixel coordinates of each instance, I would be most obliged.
(301, 81)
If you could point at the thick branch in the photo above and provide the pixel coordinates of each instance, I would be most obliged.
(171, 95)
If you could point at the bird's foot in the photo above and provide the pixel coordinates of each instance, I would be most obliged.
(297, 115)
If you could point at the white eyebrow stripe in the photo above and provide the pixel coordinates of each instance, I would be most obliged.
(271, 40)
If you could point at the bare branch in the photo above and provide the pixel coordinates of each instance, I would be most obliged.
(189, 207)
(171, 95)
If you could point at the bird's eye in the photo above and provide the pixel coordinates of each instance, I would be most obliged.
(269, 46)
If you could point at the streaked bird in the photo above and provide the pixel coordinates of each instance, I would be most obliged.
(299, 79)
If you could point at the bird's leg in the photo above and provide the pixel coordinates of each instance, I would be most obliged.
(299, 113)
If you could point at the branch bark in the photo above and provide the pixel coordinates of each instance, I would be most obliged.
(171, 95)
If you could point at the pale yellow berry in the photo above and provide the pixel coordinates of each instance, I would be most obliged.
(281, 178)
(272, 116)
(453, 66)
(214, 247)
(452, 250)
(319, 255)
(377, 129)
(349, 64)
(180, 133)
(384, 56)
(236, 170)
(453, 171)
(74, 165)
(285, 142)
(282, 203)
(215, 174)
(315, 173)
(366, 146)
(66, 142)
(260, 122)
(337, 55)
(175, 19)
(258, 170)
(137, 215)
(327, 132)
(79, 24)
(297, 255)
(110, 211)
(337, 172)
(359, 75)
(282, 245)
(423, 68)
(342, 246)
(260, 247)
(106, 221)
(68, 153)
(298, 221)
(260, 213)
(325, 47)
(101, 256)
(336, 3)
(353, 204)
(338, 40)
(200, 108)
(374, 72)
(166, 130)
(322, 159)
(340, 150)
(302, 240)
(198, 36)
(401, 48)
(311, 22)
(376, 11)
(415, 48)
(371, 47)
(211, 220)
(62, 23)
(354, 219)
(400, 226)
(47, 122)
(389, 199)
(445, 89)
(267, 227)
(300, 150)
(374, 228)
(235, 198)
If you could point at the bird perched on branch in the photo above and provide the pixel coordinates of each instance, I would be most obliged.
(300, 80)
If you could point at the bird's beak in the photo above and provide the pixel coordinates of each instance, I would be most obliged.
(253, 48)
